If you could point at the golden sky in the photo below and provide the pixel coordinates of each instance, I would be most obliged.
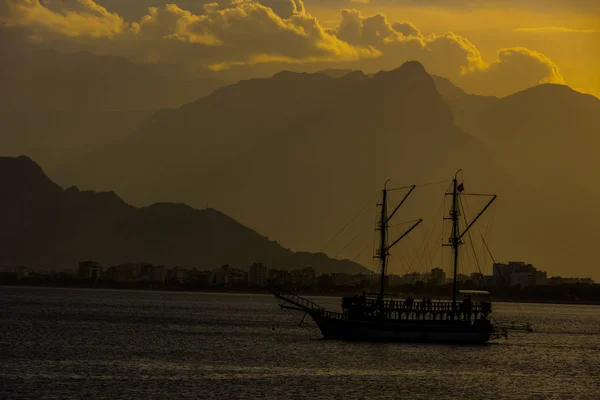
(494, 47)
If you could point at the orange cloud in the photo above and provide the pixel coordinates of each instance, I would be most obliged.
(229, 33)
(80, 18)
(450, 55)
(514, 69)
(447, 54)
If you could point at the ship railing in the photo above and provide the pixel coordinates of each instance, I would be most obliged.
(332, 314)
(475, 307)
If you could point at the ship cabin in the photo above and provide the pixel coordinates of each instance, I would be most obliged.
(474, 306)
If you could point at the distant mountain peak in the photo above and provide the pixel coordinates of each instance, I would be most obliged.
(355, 75)
(408, 69)
(18, 173)
(553, 98)
(290, 75)
(412, 67)
(409, 73)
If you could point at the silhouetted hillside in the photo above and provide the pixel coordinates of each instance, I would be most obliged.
(44, 226)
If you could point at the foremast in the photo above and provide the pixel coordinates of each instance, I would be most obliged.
(455, 240)
(382, 227)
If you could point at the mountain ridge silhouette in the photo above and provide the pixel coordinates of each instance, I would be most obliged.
(46, 227)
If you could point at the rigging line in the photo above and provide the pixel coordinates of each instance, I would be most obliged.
(400, 188)
(421, 185)
(472, 245)
(417, 258)
(406, 262)
(412, 257)
(427, 239)
(403, 223)
(483, 240)
(477, 194)
(434, 183)
(344, 227)
(434, 249)
(355, 257)
(347, 244)
(487, 234)
(490, 253)
(431, 256)
(489, 220)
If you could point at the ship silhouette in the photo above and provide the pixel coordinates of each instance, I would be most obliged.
(380, 317)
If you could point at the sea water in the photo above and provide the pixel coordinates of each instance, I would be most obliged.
(119, 344)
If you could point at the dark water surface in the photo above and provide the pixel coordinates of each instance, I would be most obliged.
(104, 344)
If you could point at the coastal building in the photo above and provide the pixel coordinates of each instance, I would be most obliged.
(16, 273)
(559, 280)
(258, 274)
(178, 276)
(158, 274)
(345, 280)
(303, 277)
(413, 278)
(279, 277)
(437, 276)
(90, 270)
(518, 273)
(122, 272)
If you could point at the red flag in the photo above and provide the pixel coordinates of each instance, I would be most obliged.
(460, 187)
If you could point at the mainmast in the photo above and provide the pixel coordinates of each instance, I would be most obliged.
(383, 251)
(454, 240)
(456, 235)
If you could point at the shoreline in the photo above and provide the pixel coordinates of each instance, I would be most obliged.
(264, 291)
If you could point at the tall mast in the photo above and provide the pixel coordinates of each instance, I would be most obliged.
(456, 236)
(383, 250)
(454, 240)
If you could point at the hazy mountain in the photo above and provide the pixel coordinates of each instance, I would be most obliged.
(39, 79)
(54, 138)
(297, 155)
(294, 155)
(44, 226)
(546, 136)
(55, 105)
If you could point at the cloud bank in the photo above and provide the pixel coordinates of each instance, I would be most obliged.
(230, 33)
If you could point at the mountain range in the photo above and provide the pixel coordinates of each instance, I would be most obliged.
(294, 156)
(47, 227)
(55, 105)
(42, 79)
(547, 135)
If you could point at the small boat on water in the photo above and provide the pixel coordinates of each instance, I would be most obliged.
(380, 317)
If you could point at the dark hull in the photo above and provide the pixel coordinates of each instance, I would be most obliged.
(403, 330)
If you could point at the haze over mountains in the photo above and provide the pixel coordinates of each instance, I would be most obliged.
(296, 155)
(546, 135)
(40, 79)
(47, 227)
(55, 105)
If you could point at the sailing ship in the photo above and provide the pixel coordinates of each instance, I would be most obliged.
(380, 317)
